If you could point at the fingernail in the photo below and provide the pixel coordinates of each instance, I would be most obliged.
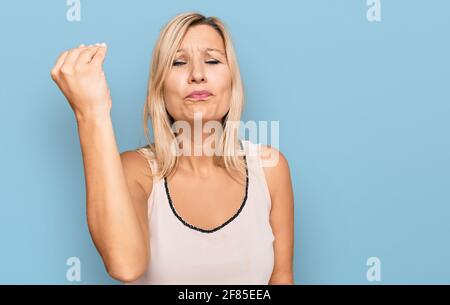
(103, 44)
(97, 44)
(81, 45)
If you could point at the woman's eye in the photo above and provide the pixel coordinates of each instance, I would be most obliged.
(178, 63)
(213, 62)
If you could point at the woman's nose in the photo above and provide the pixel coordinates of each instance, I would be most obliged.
(197, 74)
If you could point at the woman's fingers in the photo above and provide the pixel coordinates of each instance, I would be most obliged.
(59, 62)
(72, 56)
(86, 55)
(83, 84)
(100, 55)
(81, 55)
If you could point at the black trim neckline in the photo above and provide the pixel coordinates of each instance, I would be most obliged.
(166, 186)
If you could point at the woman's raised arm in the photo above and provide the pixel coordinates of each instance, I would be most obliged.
(113, 196)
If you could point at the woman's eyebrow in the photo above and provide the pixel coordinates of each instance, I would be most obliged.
(206, 50)
(215, 50)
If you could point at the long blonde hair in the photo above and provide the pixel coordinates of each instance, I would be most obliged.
(169, 41)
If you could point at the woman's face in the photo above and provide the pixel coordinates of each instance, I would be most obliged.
(199, 80)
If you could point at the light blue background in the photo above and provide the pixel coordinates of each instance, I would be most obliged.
(364, 120)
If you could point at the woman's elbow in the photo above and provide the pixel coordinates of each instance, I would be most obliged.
(126, 274)
(128, 269)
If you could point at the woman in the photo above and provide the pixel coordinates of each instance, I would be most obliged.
(161, 214)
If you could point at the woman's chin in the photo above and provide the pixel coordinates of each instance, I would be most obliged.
(200, 116)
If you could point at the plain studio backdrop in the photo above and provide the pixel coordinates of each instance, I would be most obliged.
(363, 109)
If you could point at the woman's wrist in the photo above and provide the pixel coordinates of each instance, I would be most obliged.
(92, 116)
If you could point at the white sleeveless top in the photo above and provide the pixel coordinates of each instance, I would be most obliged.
(240, 251)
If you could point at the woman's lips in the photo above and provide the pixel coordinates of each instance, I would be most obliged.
(199, 95)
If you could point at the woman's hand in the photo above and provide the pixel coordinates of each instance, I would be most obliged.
(79, 74)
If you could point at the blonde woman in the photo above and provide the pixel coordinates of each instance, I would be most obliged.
(159, 215)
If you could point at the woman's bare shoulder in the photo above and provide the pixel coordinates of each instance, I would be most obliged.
(137, 169)
(276, 168)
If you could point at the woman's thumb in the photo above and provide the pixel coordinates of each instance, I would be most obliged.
(100, 55)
